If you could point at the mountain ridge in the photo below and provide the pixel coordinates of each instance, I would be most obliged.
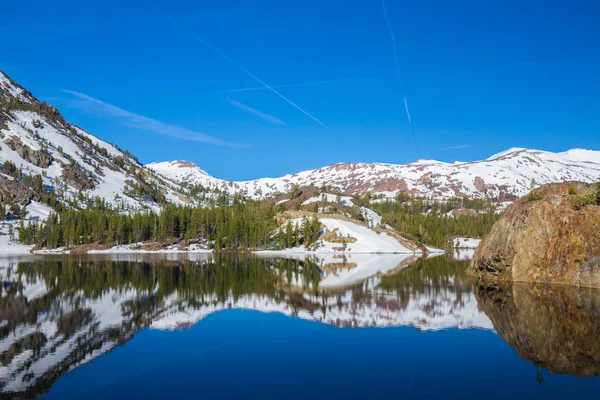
(39, 141)
(521, 168)
(77, 166)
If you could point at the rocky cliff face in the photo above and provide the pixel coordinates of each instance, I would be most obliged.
(551, 235)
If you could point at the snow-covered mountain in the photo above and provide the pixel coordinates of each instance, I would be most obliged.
(503, 176)
(36, 138)
(77, 165)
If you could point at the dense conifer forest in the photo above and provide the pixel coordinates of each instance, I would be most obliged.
(433, 222)
(225, 222)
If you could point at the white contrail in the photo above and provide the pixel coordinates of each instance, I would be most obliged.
(406, 108)
(389, 27)
(289, 85)
(238, 66)
(251, 75)
(462, 146)
(247, 89)
(270, 118)
(396, 60)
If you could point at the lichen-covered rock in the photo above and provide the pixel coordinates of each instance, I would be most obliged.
(555, 327)
(551, 235)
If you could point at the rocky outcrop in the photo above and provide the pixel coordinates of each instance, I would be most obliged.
(554, 327)
(74, 176)
(15, 191)
(38, 158)
(479, 183)
(551, 235)
(3, 120)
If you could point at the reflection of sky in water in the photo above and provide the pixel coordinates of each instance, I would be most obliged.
(246, 354)
(232, 324)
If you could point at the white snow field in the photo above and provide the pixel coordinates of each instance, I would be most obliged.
(359, 239)
(465, 243)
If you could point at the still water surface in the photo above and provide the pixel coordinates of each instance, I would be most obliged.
(248, 326)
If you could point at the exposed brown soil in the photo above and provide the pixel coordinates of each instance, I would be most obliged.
(84, 248)
(332, 237)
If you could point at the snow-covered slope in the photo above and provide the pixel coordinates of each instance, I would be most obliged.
(342, 236)
(503, 176)
(37, 139)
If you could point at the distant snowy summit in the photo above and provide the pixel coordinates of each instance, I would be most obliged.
(502, 177)
(80, 168)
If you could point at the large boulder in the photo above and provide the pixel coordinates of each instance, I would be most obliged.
(551, 235)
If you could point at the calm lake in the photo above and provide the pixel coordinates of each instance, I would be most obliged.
(262, 327)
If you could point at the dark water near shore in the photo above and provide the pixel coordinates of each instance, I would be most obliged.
(239, 326)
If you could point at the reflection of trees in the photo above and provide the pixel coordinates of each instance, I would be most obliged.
(142, 291)
(430, 277)
(555, 327)
(226, 277)
(437, 273)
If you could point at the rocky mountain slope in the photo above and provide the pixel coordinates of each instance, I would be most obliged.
(77, 166)
(502, 177)
(38, 140)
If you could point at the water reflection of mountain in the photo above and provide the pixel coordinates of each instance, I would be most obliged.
(555, 327)
(57, 314)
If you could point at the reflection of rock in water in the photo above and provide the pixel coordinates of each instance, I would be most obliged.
(556, 327)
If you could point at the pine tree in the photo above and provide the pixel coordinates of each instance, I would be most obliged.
(11, 233)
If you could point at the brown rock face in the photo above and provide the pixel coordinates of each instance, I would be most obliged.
(15, 191)
(480, 184)
(551, 235)
(36, 157)
(555, 327)
(75, 177)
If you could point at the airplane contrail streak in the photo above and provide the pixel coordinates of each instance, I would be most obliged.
(396, 59)
(240, 67)
(389, 27)
(289, 85)
(257, 79)
(406, 108)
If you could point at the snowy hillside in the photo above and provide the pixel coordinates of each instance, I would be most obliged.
(347, 237)
(503, 176)
(77, 166)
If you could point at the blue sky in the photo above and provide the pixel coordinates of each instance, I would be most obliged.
(163, 79)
